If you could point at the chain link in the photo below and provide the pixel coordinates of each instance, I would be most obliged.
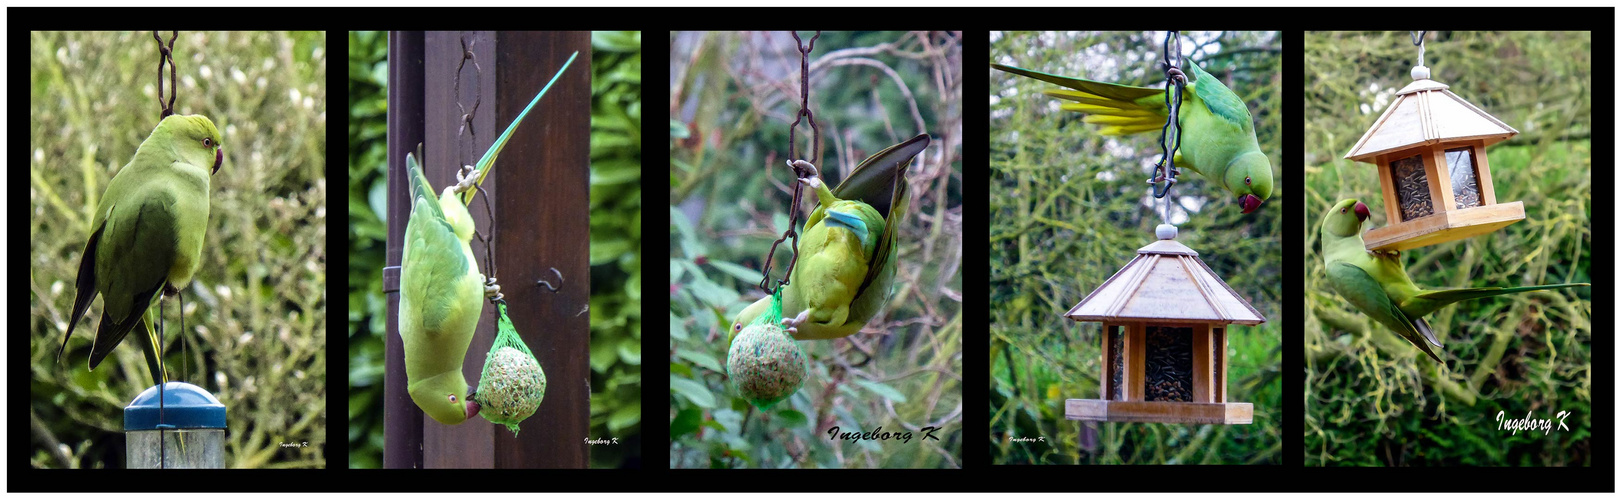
(1171, 134)
(166, 56)
(802, 168)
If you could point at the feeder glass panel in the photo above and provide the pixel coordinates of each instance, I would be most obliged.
(1461, 166)
(1413, 193)
(1116, 341)
(1169, 365)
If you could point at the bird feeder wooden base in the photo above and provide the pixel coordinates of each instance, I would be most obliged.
(1169, 412)
(1445, 226)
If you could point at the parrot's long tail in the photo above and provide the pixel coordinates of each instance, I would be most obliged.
(1430, 301)
(1121, 109)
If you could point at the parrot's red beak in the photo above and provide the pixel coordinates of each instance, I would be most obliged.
(472, 409)
(1361, 210)
(1249, 203)
(219, 159)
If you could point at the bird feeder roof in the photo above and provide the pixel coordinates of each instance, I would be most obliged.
(1166, 282)
(184, 406)
(1426, 113)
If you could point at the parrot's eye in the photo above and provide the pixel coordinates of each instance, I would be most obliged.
(453, 398)
(1247, 180)
(1343, 210)
(209, 143)
(737, 327)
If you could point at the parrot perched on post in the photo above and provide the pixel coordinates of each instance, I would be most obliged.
(1219, 140)
(1377, 284)
(147, 234)
(441, 287)
(847, 250)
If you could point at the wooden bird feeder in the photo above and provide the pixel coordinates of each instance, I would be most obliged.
(1430, 147)
(1166, 317)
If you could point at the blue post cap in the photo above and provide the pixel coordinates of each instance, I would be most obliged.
(185, 406)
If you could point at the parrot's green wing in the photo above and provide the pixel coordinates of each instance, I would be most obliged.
(880, 181)
(1366, 294)
(430, 240)
(489, 157)
(1221, 101)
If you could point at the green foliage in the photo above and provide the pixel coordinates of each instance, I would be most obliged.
(616, 279)
(368, 240)
(255, 313)
(616, 247)
(1371, 401)
(1069, 208)
(734, 95)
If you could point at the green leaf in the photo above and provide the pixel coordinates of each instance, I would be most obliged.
(883, 390)
(701, 359)
(792, 418)
(743, 274)
(626, 416)
(693, 391)
(686, 422)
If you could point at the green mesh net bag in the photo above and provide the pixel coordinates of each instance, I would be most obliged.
(764, 362)
(512, 384)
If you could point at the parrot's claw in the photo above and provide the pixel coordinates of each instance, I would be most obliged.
(798, 165)
(811, 182)
(492, 291)
(791, 325)
(466, 179)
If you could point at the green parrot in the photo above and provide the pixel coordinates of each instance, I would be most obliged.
(1219, 141)
(440, 284)
(147, 234)
(1377, 284)
(847, 250)
(440, 299)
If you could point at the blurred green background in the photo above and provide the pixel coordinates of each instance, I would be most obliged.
(1371, 398)
(255, 315)
(1069, 208)
(616, 249)
(733, 96)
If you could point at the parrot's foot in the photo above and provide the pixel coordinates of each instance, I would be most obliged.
(1385, 253)
(799, 165)
(811, 182)
(792, 325)
(548, 284)
(466, 179)
(492, 291)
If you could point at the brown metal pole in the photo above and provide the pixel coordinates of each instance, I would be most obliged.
(402, 421)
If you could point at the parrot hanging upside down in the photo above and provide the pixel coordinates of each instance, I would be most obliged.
(440, 299)
(847, 250)
(440, 284)
(1377, 284)
(147, 234)
(1219, 141)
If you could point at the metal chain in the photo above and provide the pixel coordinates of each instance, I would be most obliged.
(1418, 38)
(166, 55)
(1171, 135)
(800, 167)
